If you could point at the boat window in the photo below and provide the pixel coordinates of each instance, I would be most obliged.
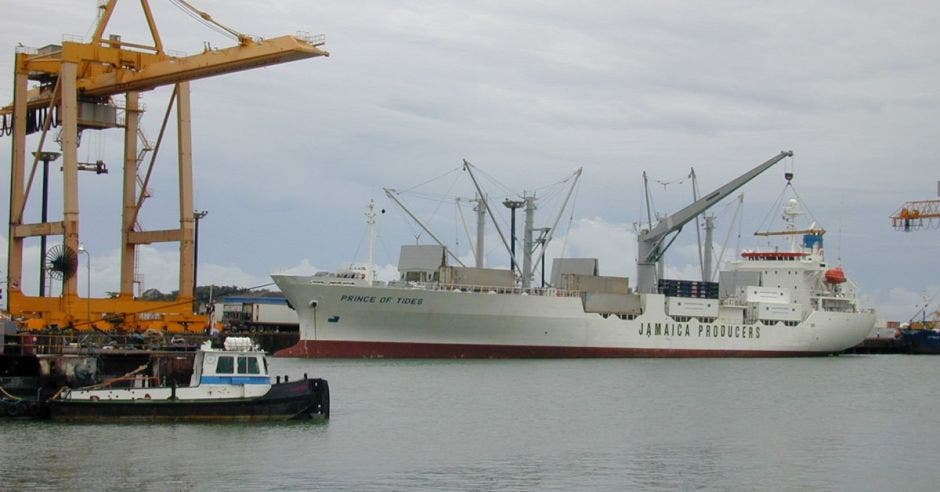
(248, 365)
(226, 365)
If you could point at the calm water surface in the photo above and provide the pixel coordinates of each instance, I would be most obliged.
(838, 423)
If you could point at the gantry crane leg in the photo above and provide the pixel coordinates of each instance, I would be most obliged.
(129, 215)
(185, 146)
(17, 188)
(70, 168)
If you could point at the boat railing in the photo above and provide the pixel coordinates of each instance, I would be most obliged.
(56, 342)
(135, 381)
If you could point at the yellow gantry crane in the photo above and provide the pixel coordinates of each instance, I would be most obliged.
(74, 84)
(917, 214)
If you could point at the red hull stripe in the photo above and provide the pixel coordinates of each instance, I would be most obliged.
(396, 350)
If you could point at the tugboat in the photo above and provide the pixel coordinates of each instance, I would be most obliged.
(230, 384)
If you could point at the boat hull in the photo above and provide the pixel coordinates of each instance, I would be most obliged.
(922, 341)
(400, 350)
(361, 321)
(303, 399)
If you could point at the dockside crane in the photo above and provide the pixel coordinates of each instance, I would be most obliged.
(917, 214)
(74, 83)
(651, 243)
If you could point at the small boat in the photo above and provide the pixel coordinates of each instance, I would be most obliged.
(230, 384)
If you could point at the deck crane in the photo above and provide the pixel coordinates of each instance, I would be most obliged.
(75, 82)
(650, 242)
(917, 214)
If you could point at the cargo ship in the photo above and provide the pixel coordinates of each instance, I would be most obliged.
(766, 304)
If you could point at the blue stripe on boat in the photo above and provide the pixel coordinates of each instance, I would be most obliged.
(235, 380)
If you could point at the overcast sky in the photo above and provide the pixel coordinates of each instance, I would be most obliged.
(287, 157)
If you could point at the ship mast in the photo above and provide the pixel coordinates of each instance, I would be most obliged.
(528, 245)
(708, 253)
(480, 209)
(502, 237)
(547, 233)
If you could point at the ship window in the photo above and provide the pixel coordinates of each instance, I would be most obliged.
(226, 365)
(248, 365)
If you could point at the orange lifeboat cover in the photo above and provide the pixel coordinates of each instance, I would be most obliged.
(835, 275)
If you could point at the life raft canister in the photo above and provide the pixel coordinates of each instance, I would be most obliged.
(835, 275)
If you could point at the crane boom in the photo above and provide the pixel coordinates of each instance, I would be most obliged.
(650, 242)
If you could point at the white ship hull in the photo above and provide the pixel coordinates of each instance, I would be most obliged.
(364, 321)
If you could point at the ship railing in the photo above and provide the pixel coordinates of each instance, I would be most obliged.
(492, 289)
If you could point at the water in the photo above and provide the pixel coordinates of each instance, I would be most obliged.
(837, 423)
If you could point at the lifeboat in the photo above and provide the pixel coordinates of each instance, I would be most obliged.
(835, 275)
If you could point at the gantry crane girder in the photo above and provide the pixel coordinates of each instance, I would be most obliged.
(81, 72)
(140, 71)
(917, 214)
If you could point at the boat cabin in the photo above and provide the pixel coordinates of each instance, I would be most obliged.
(239, 363)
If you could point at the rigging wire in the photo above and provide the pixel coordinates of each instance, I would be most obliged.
(803, 203)
(441, 203)
(430, 180)
(555, 184)
(355, 256)
(765, 223)
(191, 11)
(495, 181)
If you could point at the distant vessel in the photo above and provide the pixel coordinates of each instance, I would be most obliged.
(923, 341)
(922, 336)
(769, 303)
(226, 385)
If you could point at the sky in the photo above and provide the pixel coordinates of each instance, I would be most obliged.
(287, 157)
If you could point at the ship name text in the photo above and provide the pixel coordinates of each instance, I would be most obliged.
(702, 331)
(413, 301)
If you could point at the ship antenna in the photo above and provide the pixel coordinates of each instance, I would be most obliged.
(370, 220)
(839, 242)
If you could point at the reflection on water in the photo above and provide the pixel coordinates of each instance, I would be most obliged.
(831, 423)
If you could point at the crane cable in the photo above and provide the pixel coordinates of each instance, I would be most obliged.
(207, 20)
